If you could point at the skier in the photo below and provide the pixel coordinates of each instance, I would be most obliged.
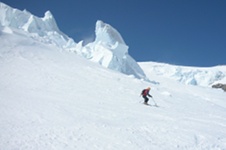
(144, 94)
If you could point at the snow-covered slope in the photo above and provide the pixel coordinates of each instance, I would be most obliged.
(53, 100)
(108, 49)
(188, 75)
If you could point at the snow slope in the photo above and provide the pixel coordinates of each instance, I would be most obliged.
(53, 100)
(108, 49)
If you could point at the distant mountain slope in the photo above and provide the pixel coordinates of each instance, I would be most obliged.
(188, 75)
(108, 49)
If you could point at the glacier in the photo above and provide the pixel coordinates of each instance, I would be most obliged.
(44, 29)
(197, 76)
(108, 49)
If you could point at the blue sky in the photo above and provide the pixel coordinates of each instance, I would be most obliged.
(181, 32)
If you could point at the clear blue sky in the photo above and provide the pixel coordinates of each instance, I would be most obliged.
(181, 32)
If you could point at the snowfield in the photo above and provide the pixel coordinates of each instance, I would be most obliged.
(51, 99)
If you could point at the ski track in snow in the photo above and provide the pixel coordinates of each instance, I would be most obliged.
(55, 100)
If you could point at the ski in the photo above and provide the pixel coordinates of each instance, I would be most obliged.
(150, 105)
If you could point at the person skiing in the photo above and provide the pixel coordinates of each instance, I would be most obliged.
(145, 93)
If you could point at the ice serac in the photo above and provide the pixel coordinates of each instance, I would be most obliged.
(44, 29)
(110, 50)
(198, 76)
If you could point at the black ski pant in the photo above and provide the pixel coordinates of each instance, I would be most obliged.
(145, 99)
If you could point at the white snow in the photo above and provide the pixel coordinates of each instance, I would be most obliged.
(51, 99)
(106, 33)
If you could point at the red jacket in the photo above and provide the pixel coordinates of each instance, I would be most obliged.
(145, 92)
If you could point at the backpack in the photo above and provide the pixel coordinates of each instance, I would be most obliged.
(143, 92)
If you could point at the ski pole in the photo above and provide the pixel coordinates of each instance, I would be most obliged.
(154, 101)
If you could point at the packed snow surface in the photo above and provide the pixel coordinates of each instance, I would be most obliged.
(51, 99)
